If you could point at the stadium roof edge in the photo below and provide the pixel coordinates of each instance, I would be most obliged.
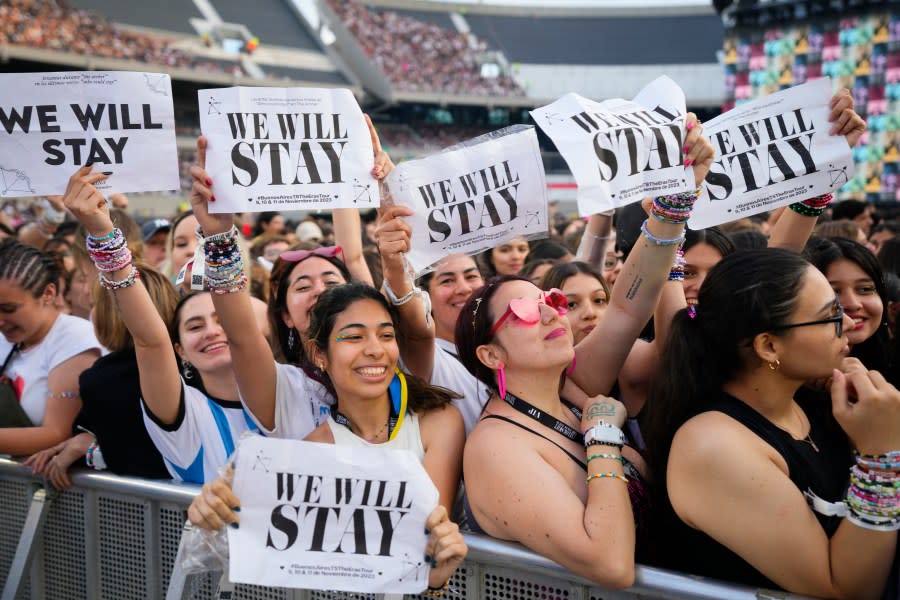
(94, 63)
(639, 10)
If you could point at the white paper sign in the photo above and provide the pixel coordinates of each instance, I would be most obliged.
(770, 153)
(468, 199)
(320, 516)
(53, 123)
(286, 149)
(621, 151)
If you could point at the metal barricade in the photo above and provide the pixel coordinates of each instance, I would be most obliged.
(117, 538)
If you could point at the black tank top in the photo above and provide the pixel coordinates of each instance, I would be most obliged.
(826, 473)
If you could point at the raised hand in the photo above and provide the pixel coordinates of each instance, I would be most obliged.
(201, 195)
(844, 118)
(698, 152)
(87, 204)
(383, 163)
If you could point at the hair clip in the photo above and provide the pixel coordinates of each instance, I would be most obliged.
(475, 311)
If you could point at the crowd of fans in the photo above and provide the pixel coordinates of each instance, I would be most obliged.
(56, 25)
(417, 56)
(772, 357)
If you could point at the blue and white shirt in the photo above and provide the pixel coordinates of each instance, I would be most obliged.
(202, 437)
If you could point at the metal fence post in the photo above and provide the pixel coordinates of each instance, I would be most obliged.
(34, 523)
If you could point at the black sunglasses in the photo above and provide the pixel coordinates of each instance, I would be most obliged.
(837, 319)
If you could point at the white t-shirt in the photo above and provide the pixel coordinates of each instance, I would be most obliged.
(409, 437)
(29, 369)
(301, 404)
(449, 373)
(202, 437)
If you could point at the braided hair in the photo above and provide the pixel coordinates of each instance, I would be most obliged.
(27, 266)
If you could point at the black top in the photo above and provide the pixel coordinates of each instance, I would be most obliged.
(826, 473)
(111, 410)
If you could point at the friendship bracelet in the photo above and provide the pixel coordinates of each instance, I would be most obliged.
(606, 455)
(608, 475)
(110, 284)
(660, 241)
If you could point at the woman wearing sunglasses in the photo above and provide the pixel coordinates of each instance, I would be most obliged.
(574, 506)
(752, 469)
(283, 399)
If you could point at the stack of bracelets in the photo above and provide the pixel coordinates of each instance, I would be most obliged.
(224, 265)
(674, 209)
(874, 494)
(677, 271)
(110, 253)
(812, 207)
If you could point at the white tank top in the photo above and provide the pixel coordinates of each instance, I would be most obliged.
(408, 438)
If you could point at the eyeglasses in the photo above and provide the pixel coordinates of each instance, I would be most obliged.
(837, 319)
(528, 310)
(295, 256)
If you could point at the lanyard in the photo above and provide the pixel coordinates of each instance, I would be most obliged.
(399, 397)
(532, 412)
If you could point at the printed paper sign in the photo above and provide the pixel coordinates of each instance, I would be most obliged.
(53, 123)
(770, 153)
(621, 151)
(473, 197)
(287, 149)
(320, 516)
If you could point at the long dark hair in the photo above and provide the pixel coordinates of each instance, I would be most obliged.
(876, 352)
(745, 294)
(279, 282)
(713, 236)
(333, 301)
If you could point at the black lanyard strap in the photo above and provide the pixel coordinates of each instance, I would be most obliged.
(532, 412)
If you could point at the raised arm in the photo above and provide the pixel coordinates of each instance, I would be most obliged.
(796, 224)
(157, 366)
(595, 240)
(251, 357)
(347, 224)
(635, 294)
(393, 235)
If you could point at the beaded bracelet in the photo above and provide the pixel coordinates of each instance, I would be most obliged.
(437, 592)
(608, 475)
(129, 281)
(660, 241)
(224, 265)
(676, 273)
(812, 207)
(110, 253)
(606, 455)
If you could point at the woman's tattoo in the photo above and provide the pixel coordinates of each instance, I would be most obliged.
(601, 410)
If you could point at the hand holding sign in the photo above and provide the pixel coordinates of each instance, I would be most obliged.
(215, 505)
(446, 547)
(393, 235)
(86, 203)
(846, 122)
(698, 151)
(201, 195)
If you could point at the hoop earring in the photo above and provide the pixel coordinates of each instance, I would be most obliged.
(501, 381)
(186, 371)
(774, 366)
(291, 340)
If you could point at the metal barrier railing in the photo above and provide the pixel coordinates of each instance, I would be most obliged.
(118, 537)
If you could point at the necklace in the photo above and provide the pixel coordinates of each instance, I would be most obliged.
(808, 439)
